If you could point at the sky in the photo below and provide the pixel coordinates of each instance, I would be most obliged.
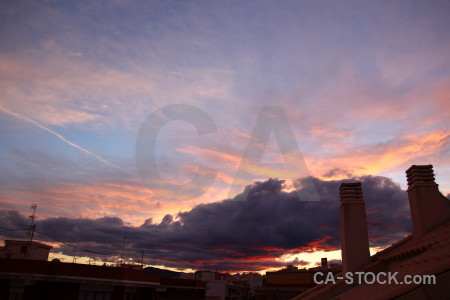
(216, 133)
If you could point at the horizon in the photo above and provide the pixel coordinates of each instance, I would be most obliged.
(217, 133)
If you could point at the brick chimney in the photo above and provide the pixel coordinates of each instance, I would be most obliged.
(429, 208)
(353, 228)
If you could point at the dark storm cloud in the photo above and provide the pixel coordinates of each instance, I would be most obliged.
(235, 235)
(12, 224)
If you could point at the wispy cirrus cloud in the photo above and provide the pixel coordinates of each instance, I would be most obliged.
(64, 91)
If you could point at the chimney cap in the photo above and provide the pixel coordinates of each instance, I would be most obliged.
(349, 184)
(419, 168)
(350, 191)
(352, 187)
(420, 174)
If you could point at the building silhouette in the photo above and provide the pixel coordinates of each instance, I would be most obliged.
(25, 250)
(39, 279)
(425, 252)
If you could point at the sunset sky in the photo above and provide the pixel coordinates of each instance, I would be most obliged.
(364, 87)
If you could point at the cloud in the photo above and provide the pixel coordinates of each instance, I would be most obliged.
(377, 158)
(338, 172)
(83, 93)
(234, 235)
(361, 99)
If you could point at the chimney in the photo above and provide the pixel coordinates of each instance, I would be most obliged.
(353, 228)
(324, 262)
(429, 208)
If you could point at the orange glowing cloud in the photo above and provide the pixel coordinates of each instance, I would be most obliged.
(316, 245)
(373, 160)
(132, 203)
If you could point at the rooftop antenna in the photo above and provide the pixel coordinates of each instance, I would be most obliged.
(32, 226)
(142, 259)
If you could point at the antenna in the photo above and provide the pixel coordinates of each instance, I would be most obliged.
(32, 226)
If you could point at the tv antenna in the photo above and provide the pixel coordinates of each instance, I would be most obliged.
(142, 259)
(32, 226)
